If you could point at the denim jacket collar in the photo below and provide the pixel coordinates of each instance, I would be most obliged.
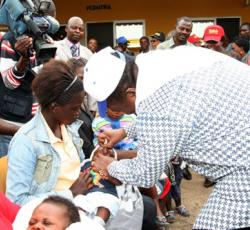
(43, 134)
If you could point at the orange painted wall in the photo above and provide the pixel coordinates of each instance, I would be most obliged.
(158, 14)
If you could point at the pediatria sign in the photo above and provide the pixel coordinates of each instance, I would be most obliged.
(98, 7)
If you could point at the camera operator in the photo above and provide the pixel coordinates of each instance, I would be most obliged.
(17, 66)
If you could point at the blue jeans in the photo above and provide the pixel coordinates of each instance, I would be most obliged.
(4, 144)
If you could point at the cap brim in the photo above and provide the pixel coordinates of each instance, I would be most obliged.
(156, 37)
(212, 38)
(102, 108)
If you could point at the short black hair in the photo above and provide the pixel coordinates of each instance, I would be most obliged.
(184, 18)
(128, 80)
(242, 43)
(92, 38)
(145, 38)
(72, 210)
(56, 82)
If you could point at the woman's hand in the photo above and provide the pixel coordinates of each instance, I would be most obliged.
(83, 183)
(109, 138)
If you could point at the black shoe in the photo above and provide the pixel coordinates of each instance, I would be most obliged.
(186, 173)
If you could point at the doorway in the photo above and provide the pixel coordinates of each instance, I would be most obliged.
(231, 27)
(102, 32)
(106, 33)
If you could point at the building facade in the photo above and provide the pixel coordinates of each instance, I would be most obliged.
(104, 17)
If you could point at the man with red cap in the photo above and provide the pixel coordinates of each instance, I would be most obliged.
(214, 38)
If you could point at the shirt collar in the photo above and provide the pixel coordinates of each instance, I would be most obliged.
(171, 42)
(52, 137)
(69, 43)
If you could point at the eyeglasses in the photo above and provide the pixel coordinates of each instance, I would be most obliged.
(153, 40)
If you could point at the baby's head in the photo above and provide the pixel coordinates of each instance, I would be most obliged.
(54, 213)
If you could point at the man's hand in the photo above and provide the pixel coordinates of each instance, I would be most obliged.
(83, 183)
(109, 138)
(23, 44)
(100, 164)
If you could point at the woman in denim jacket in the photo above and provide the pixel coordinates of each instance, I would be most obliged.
(45, 154)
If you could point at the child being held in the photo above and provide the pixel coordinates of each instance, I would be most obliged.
(114, 120)
(54, 212)
(101, 202)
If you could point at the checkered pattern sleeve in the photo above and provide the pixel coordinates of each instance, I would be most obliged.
(159, 136)
(202, 116)
(131, 130)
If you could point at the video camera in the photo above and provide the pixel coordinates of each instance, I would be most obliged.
(25, 17)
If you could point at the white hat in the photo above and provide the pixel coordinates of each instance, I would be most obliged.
(102, 74)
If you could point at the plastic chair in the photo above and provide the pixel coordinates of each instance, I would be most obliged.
(3, 173)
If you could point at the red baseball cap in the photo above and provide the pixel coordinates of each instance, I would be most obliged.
(213, 33)
(194, 39)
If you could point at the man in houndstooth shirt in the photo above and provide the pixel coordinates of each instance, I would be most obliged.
(190, 102)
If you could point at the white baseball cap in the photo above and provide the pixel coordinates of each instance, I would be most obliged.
(102, 73)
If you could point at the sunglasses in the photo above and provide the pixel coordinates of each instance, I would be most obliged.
(153, 40)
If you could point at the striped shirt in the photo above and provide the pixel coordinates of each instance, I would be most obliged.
(100, 124)
(9, 58)
(11, 77)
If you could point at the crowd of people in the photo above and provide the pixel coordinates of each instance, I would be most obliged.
(93, 143)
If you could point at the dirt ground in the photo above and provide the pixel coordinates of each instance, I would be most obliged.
(194, 195)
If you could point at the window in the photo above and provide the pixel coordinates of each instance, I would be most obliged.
(199, 26)
(132, 30)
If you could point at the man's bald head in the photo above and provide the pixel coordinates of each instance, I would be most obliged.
(75, 19)
(75, 29)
